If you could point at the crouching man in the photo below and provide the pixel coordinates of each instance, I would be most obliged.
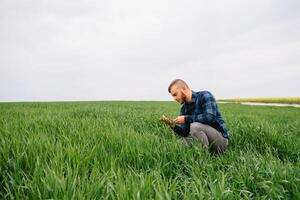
(200, 119)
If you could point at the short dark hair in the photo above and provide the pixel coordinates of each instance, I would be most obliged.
(177, 82)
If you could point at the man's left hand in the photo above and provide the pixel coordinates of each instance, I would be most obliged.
(179, 120)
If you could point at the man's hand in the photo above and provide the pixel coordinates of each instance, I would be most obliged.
(179, 120)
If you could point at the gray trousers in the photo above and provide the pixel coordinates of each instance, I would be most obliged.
(208, 136)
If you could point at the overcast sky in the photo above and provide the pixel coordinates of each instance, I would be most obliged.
(53, 50)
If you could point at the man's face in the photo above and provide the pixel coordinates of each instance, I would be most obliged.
(177, 94)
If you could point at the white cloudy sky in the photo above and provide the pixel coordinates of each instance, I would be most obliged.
(53, 50)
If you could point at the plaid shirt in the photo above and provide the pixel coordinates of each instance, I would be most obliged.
(203, 109)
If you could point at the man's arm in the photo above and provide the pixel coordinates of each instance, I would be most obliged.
(181, 130)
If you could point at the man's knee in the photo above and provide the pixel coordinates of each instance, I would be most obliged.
(196, 127)
(200, 136)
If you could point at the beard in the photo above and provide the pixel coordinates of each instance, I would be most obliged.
(182, 100)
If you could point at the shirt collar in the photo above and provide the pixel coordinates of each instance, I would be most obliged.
(193, 97)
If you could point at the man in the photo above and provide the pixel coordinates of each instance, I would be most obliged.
(200, 119)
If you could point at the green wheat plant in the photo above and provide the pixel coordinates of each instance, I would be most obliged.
(120, 150)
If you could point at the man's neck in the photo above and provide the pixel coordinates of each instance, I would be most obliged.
(189, 96)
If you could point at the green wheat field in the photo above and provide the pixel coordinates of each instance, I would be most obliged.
(120, 150)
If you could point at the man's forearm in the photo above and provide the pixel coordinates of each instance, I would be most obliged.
(180, 130)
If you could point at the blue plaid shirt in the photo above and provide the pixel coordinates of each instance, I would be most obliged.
(203, 109)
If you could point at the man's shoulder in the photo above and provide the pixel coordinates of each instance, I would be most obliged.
(204, 94)
(203, 97)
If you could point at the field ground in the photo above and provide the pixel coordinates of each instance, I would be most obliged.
(119, 150)
(291, 100)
